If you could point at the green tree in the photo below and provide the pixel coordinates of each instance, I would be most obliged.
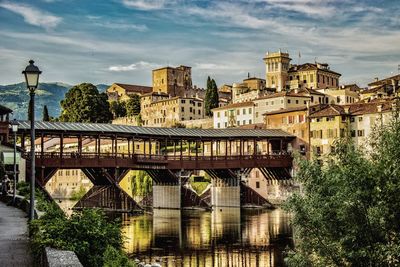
(141, 183)
(117, 109)
(84, 103)
(349, 211)
(211, 99)
(46, 116)
(132, 106)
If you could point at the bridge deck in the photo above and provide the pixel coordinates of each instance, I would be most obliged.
(142, 161)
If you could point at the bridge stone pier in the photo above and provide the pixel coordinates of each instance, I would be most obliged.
(107, 152)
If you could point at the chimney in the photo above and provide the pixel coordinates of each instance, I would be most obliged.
(376, 79)
(379, 107)
(346, 110)
(395, 85)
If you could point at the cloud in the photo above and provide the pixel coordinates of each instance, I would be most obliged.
(99, 21)
(145, 4)
(33, 15)
(134, 66)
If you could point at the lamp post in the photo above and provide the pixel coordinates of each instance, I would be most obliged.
(14, 128)
(31, 74)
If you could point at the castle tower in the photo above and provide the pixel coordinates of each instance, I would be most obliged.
(276, 70)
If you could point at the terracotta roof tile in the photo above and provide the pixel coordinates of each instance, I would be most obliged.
(132, 88)
(236, 105)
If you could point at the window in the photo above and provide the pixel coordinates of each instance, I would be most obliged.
(272, 80)
(244, 111)
(288, 101)
(257, 174)
(352, 119)
(183, 109)
(282, 101)
(250, 111)
(244, 122)
(238, 123)
(199, 104)
(330, 118)
(360, 118)
(360, 133)
(238, 112)
(250, 121)
(305, 102)
(301, 118)
(312, 99)
(284, 120)
(191, 110)
(199, 111)
(272, 102)
(218, 125)
(343, 118)
(257, 184)
(256, 114)
(353, 133)
(311, 78)
(183, 101)
(218, 114)
(226, 124)
(291, 119)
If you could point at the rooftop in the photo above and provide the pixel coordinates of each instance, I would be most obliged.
(69, 128)
(236, 105)
(135, 88)
(311, 66)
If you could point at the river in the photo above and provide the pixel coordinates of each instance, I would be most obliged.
(227, 237)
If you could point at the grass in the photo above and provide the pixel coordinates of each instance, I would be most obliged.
(199, 187)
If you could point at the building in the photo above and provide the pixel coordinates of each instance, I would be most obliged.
(122, 92)
(278, 101)
(161, 110)
(282, 75)
(356, 120)
(277, 70)
(233, 115)
(172, 81)
(342, 95)
(294, 121)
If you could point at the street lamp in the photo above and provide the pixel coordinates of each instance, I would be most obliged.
(31, 74)
(14, 128)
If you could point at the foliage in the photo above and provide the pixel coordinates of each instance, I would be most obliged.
(46, 116)
(114, 258)
(211, 99)
(23, 188)
(132, 106)
(199, 187)
(87, 233)
(117, 109)
(141, 183)
(349, 212)
(2, 170)
(178, 125)
(84, 103)
(76, 195)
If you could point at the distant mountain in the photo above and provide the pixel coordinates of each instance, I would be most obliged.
(16, 97)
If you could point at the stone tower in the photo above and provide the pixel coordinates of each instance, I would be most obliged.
(172, 81)
(276, 70)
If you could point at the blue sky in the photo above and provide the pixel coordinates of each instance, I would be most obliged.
(102, 41)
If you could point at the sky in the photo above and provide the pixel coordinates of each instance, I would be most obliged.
(74, 41)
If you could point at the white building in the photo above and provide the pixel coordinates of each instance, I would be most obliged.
(233, 115)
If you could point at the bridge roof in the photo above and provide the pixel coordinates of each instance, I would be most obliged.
(127, 130)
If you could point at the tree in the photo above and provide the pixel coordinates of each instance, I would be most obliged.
(132, 106)
(349, 212)
(46, 116)
(84, 103)
(211, 99)
(117, 109)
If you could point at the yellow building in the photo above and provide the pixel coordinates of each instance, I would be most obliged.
(172, 81)
(327, 125)
(120, 91)
(282, 75)
(277, 67)
(160, 110)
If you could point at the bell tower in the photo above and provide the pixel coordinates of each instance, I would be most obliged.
(276, 69)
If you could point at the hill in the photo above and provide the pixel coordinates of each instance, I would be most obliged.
(16, 97)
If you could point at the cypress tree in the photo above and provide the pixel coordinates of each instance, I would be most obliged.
(214, 95)
(46, 116)
(207, 99)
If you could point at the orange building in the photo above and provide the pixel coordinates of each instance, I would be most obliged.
(293, 121)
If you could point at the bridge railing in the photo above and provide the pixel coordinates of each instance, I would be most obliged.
(153, 158)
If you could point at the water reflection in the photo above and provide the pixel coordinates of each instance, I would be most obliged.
(223, 237)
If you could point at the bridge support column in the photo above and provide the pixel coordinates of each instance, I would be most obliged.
(225, 189)
(166, 196)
